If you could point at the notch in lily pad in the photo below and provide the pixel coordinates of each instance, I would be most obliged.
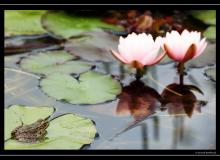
(54, 61)
(90, 87)
(67, 131)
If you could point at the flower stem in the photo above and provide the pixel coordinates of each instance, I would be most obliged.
(181, 72)
(140, 72)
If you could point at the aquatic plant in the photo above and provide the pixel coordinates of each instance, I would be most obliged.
(183, 47)
(139, 51)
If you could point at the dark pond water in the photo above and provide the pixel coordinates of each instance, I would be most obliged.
(179, 125)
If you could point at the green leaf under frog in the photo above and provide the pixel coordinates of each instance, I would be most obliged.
(211, 73)
(206, 16)
(89, 88)
(68, 131)
(54, 61)
(93, 46)
(23, 22)
(17, 114)
(66, 25)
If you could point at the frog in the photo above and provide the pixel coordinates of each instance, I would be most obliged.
(32, 133)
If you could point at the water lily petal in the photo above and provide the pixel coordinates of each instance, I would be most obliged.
(149, 58)
(171, 53)
(139, 50)
(184, 46)
(118, 56)
(190, 53)
(125, 52)
(201, 47)
(158, 59)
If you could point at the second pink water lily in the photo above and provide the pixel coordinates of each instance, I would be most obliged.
(139, 50)
(185, 46)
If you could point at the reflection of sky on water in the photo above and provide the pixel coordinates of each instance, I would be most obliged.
(160, 131)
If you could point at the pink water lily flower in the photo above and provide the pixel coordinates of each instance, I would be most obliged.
(139, 50)
(185, 46)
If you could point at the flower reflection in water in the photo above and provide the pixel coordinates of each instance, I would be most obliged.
(137, 100)
(178, 105)
(183, 103)
(141, 101)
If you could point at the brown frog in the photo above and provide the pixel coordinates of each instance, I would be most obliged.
(31, 133)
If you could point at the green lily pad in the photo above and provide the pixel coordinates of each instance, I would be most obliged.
(210, 32)
(16, 114)
(211, 73)
(23, 22)
(89, 88)
(54, 61)
(206, 16)
(65, 132)
(11, 122)
(94, 46)
(66, 25)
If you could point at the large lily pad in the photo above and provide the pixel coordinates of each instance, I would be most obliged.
(66, 25)
(206, 16)
(94, 46)
(23, 22)
(54, 61)
(17, 114)
(89, 88)
(65, 132)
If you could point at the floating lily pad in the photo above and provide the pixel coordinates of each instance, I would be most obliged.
(89, 88)
(66, 25)
(206, 16)
(11, 122)
(23, 22)
(65, 132)
(94, 46)
(210, 32)
(17, 114)
(54, 61)
(211, 73)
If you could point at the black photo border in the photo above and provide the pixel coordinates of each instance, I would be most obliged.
(106, 152)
